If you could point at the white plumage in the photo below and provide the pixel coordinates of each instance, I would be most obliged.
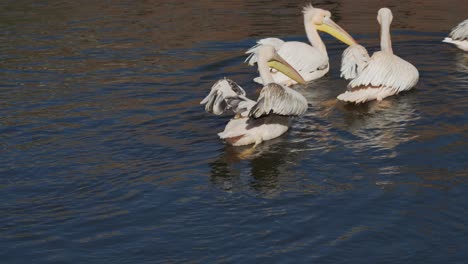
(227, 95)
(311, 61)
(382, 75)
(252, 59)
(277, 99)
(255, 121)
(459, 36)
(353, 61)
(307, 60)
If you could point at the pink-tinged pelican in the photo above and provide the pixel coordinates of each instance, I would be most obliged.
(310, 60)
(266, 118)
(459, 36)
(382, 75)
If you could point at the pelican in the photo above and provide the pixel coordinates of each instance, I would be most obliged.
(311, 61)
(382, 75)
(459, 36)
(266, 118)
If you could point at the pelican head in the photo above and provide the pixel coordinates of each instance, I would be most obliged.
(384, 15)
(269, 55)
(322, 21)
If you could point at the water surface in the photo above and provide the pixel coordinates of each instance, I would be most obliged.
(107, 156)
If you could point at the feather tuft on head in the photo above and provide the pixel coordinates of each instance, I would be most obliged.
(307, 8)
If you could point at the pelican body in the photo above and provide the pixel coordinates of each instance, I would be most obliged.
(266, 118)
(377, 77)
(459, 36)
(311, 61)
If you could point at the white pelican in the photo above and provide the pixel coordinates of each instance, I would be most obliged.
(264, 119)
(384, 74)
(311, 61)
(459, 36)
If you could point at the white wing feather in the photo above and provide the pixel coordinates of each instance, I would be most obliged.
(280, 100)
(385, 74)
(353, 61)
(460, 32)
(461, 44)
(388, 70)
(305, 59)
(253, 51)
(365, 95)
(227, 95)
(459, 36)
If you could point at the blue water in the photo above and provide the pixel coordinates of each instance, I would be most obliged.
(106, 155)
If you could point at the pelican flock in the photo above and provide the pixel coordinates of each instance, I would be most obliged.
(382, 75)
(266, 118)
(281, 64)
(311, 61)
(459, 36)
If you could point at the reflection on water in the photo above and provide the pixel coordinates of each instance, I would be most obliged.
(462, 65)
(107, 156)
(266, 163)
(381, 125)
(377, 127)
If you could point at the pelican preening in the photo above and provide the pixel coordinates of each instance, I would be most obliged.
(382, 75)
(459, 36)
(266, 118)
(311, 61)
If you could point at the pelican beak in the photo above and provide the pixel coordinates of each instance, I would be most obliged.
(281, 65)
(336, 31)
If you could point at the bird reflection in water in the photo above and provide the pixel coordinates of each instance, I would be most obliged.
(265, 165)
(377, 128)
(373, 127)
(381, 125)
(462, 64)
(389, 117)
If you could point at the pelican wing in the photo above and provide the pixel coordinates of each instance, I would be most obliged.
(280, 100)
(253, 51)
(460, 32)
(305, 59)
(353, 61)
(227, 95)
(386, 70)
(308, 61)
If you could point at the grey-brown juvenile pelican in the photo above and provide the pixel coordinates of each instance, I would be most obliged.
(382, 75)
(266, 118)
(310, 60)
(459, 36)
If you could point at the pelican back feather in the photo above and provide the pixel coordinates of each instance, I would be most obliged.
(384, 75)
(386, 70)
(280, 100)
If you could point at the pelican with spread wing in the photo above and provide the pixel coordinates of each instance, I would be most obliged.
(382, 75)
(459, 36)
(311, 61)
(266, 118)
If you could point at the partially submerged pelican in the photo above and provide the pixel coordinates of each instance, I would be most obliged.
(382, 75)
(266, 118)
(459, 36)
(311, 61)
